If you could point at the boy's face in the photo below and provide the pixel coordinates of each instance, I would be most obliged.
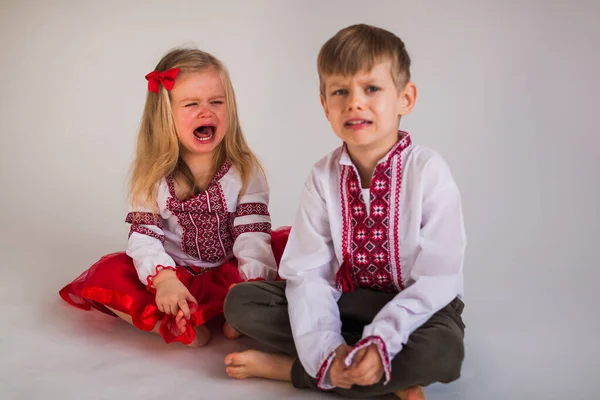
(364, 108)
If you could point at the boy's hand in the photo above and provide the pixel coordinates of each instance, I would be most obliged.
(172, 295)
(367, 367)
(337, 371)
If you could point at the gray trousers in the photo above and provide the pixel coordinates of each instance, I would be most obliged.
(433, 353)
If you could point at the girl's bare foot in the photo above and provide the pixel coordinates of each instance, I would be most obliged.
(413, 393)
(202, 337)
(258, 364)
(230, 332)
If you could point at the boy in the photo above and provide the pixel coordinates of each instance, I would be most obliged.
(373, 265)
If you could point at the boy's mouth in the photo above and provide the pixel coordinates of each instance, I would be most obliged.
(204, 132)
(357, 123)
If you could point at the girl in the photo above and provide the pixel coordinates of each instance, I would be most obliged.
(199, 216)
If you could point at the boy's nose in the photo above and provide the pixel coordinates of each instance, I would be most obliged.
(355, 102)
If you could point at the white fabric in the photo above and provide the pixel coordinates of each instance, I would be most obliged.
(366, 193)
(252, 249)
(431, 248)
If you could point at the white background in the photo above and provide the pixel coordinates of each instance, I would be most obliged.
(508, 95)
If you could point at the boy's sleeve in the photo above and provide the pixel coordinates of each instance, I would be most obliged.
(145, 245)
(437, 270)
(252, 232)
(307, 265)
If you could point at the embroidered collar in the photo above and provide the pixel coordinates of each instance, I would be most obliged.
(220, 173)
(403, 142)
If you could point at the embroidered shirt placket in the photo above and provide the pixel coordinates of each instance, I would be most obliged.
(195, 226)
(395, 181)
(218, 227)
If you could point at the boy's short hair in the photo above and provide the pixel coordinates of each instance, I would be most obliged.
(359, 48)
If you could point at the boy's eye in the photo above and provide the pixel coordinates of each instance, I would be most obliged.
(373, 89)
(190, 104)
(339, 92)
(217, 102)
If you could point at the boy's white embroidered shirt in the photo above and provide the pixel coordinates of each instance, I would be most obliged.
(412, 242)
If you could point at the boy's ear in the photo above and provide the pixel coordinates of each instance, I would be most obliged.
(407, 99)
(324, 104)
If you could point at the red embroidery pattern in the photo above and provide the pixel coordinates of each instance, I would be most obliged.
(346, 222)
(222, 171)
(366, 237)
(144, 218)
(323, 371)
(264, 227)
(397, 185)
(204, 220)
(145, 231)
(252, 209)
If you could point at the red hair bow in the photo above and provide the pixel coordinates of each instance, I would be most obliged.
(167, 78)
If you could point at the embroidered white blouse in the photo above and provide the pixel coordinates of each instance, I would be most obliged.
(205, 230)
(412, 242)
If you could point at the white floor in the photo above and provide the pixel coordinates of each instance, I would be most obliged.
(52, 350)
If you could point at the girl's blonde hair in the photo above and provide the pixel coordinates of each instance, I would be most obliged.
(158, 147)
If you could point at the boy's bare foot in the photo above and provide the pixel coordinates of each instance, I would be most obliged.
(413, 393)
(202, 337)
(258, 364)
(230, 332)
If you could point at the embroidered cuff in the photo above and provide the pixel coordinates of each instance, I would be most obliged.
(144, 218)
(251, 209)
(323, 379)
(381, 348)
(151, 277)
(145, 231)
(263, 227)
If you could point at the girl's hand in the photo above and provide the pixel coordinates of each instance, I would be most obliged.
(172, 295)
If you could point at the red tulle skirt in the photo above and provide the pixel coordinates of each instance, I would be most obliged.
(113, 282)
